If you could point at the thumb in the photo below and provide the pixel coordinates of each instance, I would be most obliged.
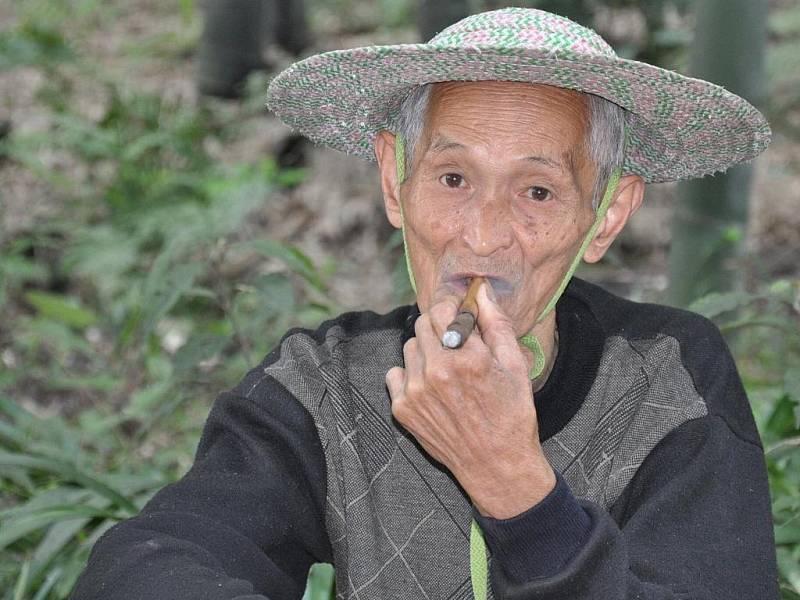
(497, 330)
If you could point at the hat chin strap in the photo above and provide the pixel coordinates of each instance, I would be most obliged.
(529, 340)
(400, 164)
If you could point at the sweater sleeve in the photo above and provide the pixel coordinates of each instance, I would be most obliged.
(694, 523)
(246, 522)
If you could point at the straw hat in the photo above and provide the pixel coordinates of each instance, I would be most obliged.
(678, 127)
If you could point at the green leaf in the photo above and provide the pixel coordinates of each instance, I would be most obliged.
(20, 477)
(146, 400)
(791, 384)
(733, 234)
(51, 579)
(277, 291)
(22, 581)
(61, 338)
(19, 270)
(145, 143)
(164, 288)
(781, 422)
(10, 435)
(289, 178)
(20, 526)
(199, 347)
(783, 447)
(187, 10)
(715, 304)
(131, 484)
(787, 533)
(56, 434)
(61, 308)
(99, 382)
(69, 472)
(32, 44)
(49, 498)
(291, 256)
(789, 567)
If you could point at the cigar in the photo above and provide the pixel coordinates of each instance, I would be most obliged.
(458, 331)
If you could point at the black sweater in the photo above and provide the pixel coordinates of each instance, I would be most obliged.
(662, 490)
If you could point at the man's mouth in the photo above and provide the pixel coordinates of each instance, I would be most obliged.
(459, 282)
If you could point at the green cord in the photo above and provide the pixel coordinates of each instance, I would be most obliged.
(530, 341)
(400, 163)
(478, 563)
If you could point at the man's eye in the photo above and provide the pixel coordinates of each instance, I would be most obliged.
(539, 194)
(452, 180)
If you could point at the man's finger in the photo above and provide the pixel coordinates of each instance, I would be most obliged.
(395, 382)
(496, 328)
(424, 336)
(413, 359)
(442, 312)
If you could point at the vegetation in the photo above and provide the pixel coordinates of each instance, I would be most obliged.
(710, 214)
(147, 289)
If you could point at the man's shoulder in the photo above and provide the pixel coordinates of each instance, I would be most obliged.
(633, 320)
(666, 340)
(347, 341)
(348, 334)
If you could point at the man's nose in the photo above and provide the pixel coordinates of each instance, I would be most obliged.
(487, 226)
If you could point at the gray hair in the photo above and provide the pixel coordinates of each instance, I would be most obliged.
(604, 144)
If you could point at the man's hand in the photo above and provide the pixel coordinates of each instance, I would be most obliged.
(472, 408)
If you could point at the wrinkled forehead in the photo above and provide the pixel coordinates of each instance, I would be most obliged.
(509, 119)
(511, 106)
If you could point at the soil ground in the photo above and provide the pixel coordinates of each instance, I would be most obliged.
(336, 214)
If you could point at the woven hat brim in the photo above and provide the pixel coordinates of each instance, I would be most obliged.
(678, 127)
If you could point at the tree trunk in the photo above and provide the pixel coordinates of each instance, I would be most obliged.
(435, 15)
(710, 216)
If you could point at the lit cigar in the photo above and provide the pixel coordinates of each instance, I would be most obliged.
(458, 331)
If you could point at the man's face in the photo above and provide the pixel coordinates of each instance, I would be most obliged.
(500, 187)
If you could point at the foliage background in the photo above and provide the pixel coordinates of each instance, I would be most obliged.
(152, 249)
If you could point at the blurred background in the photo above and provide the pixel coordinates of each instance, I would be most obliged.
(160, 231)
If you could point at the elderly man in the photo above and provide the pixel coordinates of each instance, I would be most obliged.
(577, 446)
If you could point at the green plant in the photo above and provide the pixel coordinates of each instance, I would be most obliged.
(61, 505)
(142, 295)
(764, 330)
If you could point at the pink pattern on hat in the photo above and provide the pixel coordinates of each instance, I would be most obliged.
(678, 127)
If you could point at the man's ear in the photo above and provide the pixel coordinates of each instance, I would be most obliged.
(385, 153)
(627, 200)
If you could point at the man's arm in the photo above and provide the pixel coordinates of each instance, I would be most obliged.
(246, 522)
(694, 523)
